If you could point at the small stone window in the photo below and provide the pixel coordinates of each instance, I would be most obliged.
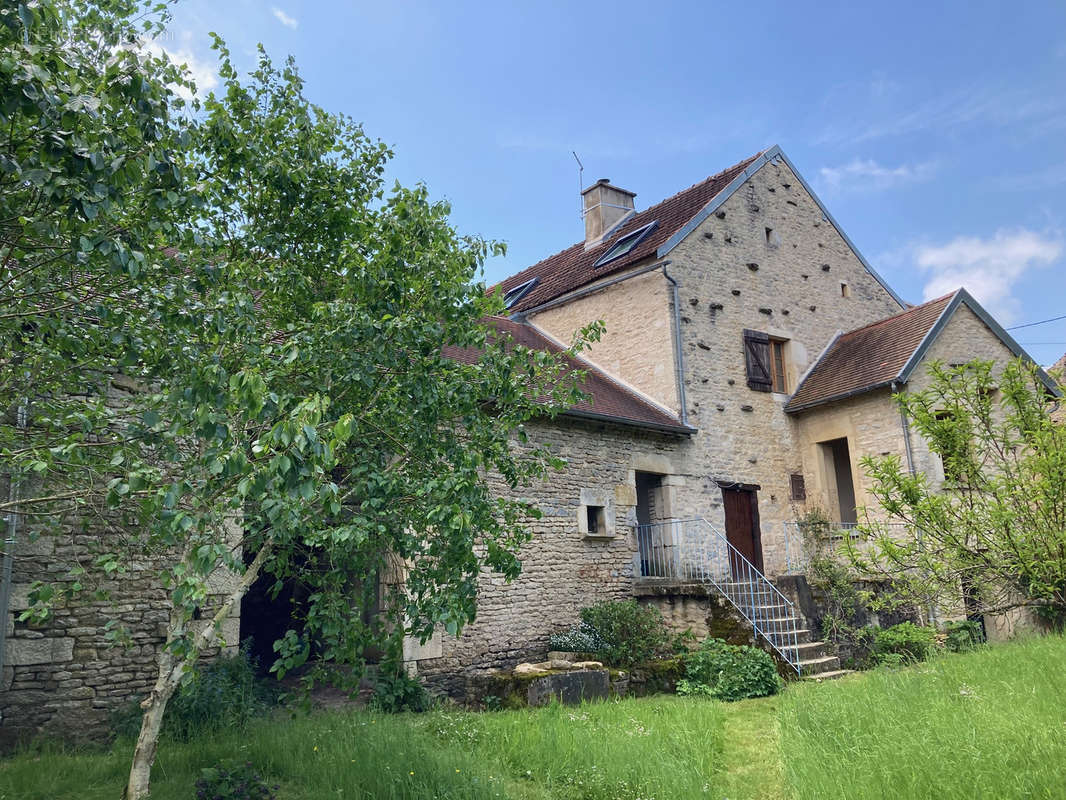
(596, 519)
(798, 487)
(845, 290)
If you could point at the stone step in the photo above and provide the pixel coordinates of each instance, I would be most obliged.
(817, 666)
(808, 651)
(832, 675)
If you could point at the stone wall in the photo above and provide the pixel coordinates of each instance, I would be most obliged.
(639, 344)
(64, 678)
(563, 568)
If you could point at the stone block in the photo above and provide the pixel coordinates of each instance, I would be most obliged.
(21, 652)
(569, 688)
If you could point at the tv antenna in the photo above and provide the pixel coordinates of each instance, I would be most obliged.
(580, 182)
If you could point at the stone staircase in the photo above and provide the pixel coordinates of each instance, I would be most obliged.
(780, 623)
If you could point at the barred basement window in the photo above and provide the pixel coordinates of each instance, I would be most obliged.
(798, 487)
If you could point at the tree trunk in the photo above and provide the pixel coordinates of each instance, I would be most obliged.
(171, 671)
(144, 751)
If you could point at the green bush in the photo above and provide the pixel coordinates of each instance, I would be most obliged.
(729, 672)
(963, 635)
(903, 643)
(628, 632)
(582, 639)
(396, 691)
(223, 694)
(232, 781)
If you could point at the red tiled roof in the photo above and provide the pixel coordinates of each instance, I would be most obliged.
(607, 398)
(573, 267)
(867, 357)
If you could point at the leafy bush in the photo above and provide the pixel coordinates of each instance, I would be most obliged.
(623, 633)
(582, 639)
(729, 672)
(903, 643)
(232, 781)
(963, 635)
(224, 693)
(396, 691)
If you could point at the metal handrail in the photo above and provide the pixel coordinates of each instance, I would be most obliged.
(693, 549)
(797, 559)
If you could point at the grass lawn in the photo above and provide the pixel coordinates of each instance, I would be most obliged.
(988, 724)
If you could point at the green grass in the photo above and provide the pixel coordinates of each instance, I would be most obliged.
(989, 724)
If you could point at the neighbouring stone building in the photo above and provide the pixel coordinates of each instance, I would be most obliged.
(748, 365)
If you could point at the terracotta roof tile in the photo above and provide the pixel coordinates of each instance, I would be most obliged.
(606, 397)
(867, 357)
(573, 267)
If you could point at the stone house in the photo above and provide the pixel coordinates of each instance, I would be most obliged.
(748, 365)
(740, 309)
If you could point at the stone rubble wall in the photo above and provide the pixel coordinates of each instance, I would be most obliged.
(563, 569)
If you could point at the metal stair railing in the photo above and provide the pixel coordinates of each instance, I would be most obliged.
(695, 550)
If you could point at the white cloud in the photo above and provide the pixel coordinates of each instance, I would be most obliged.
(868, 174)
(202, 72)
(289, 22)
(987, 268)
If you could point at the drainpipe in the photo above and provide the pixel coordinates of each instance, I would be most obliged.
(930, 610)
(906, 433)
(9, 552)
(679, 355)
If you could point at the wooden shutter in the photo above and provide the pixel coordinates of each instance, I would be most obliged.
(757, 361)
(798, 486)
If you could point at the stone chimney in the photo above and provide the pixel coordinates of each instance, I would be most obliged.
(604, 205)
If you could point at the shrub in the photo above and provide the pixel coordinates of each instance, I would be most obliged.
(224, 693)
(629, 632)
(396, 691)
(729, 672)
(903, 643)
(232, 781)
(963, 635)
(582, 639)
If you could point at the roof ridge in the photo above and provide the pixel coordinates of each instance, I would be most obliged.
(743, 163)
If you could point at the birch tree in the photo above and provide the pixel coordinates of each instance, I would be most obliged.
(295, 402)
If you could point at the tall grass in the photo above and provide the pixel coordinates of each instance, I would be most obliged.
(989, 724)
(626, 750)
(664, 748)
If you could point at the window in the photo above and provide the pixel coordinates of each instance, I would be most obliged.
(764, 361)
(798, 487)
(517, 293)
(845, 290)
(777, 354)
(626, 244)
(597, 521)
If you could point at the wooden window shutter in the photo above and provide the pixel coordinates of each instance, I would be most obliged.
(757, 361)
(798, 486)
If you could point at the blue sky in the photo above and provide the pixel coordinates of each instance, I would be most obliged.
(934, 132)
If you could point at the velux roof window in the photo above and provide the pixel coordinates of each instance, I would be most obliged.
(518, 292)
(626, 243)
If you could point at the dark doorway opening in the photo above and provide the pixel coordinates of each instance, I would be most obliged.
(268, 610)
(649, 513)
(265, 616)
(741, 504)
(836, 459)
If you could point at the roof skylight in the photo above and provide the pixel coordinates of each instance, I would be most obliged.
(518, 292)
(626, 243)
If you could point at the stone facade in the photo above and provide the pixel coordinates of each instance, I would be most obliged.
(767, 260)
(564, 568)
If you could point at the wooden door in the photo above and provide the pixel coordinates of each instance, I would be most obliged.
(742, 525)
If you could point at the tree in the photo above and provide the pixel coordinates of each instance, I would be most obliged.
(995, 534)
(297, 407)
